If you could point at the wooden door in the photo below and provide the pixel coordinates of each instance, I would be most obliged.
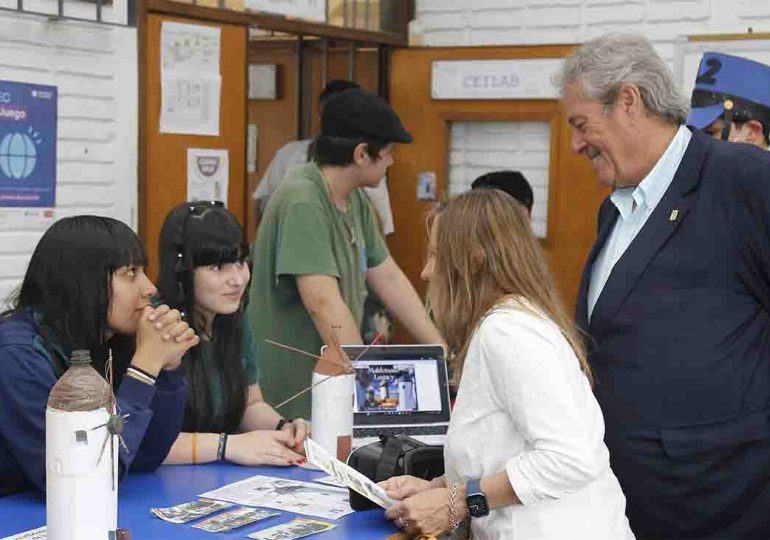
(573, 193)
(163, 156)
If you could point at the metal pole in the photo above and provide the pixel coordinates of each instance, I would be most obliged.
(99, 10)
(325, 59)
(368, 13)
(355, 14)
(383, 71)
(352, 61)
(300, 87)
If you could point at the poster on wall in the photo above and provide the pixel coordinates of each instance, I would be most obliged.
(207, 174)
(27, 145)
(191, 84)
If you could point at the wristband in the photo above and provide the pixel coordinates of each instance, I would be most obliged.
(141, 375)
(222, 447)
(282, 422)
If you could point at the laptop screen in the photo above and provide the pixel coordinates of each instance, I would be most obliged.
(400, 384)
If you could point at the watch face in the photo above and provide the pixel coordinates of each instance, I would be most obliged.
(477, 505)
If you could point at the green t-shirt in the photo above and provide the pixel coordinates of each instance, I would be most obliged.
(304, 233)
(249, 359)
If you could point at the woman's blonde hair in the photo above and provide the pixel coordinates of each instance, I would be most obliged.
(485, 253)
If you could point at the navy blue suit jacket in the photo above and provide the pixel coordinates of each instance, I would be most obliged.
(679, 340)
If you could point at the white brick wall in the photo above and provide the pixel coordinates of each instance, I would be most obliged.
(95, 70)
(481, 147)
(509, 22)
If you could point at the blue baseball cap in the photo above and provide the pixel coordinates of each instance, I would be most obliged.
(724, 77)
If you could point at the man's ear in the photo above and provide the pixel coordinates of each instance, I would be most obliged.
(754, 133)
(630, 99)
(360, 154)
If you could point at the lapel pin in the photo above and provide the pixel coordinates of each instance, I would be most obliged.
(674, 215)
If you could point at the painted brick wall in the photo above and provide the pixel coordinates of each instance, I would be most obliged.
(508, 22)
(482, 147)
(535, 22)
(95, 70)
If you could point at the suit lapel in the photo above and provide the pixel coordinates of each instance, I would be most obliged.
(608, 215)
(669, 214)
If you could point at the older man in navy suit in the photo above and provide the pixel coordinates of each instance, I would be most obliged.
(675, 297)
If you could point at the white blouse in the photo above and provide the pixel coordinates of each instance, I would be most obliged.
(524, 406)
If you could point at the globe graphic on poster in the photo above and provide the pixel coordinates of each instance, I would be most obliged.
(18, 155)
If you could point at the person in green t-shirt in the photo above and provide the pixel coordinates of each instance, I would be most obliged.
(204, 272)
(319, 246)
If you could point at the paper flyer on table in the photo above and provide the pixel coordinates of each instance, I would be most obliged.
(284, 494)
(297, 528)
(34, 534)
(346, 474)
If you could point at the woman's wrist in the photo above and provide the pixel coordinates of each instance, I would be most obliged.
(458, 510)
(145, 364)
(438, 482)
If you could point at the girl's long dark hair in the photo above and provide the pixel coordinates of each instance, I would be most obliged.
(193, 235)
(69, 283)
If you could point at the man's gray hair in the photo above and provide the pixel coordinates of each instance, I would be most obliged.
(603, 64)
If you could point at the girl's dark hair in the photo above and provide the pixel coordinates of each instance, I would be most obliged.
(198, 234)
(338, 151)
(69, 282)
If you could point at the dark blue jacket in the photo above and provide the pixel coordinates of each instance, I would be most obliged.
(28, 367)
(680, 345)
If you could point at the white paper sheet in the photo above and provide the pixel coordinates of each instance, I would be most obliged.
(34, 534)
(191, 84)
(207, 174)
(346, 474)
(190, 47)
(287, 495)
(190, 103)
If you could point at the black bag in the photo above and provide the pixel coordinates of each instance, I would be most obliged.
(394, 456)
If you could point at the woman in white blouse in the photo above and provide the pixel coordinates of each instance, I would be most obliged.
(524, 455)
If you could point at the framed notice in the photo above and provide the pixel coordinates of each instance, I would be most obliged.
(496, 79)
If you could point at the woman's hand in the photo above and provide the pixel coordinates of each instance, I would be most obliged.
(264, 447)
(426, 512)
(162, 338)
(298, 429)
(401, 487)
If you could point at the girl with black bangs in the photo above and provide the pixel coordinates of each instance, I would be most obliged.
(85, 288)
(204, 272)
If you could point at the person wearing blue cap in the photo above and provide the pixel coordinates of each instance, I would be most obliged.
(731, 99)
(319, 247)
(675, 296)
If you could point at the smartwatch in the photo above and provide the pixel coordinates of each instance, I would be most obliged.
(475, 499)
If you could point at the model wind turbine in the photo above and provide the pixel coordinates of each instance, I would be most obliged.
(332, 404)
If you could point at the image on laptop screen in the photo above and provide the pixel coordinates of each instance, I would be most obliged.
(394, 386)
(397, 384)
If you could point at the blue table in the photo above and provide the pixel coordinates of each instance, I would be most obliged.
(175, 484)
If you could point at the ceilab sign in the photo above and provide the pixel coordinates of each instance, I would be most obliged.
(496, 79)
(314, 10)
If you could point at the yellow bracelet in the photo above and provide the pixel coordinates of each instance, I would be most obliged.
(194, 448)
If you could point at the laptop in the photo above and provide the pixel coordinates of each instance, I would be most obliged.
(400, 390)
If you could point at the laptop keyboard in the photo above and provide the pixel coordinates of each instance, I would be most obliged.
(399, 430)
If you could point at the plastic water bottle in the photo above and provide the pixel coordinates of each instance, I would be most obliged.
(81, 455)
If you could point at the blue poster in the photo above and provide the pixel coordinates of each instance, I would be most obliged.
(27, 145)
